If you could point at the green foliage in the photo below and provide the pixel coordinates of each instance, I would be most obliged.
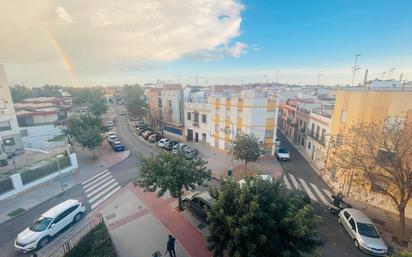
(135, 99)
(86, 130)
(169, 171)
(19, 92)
(49, 91)
(16, 212)
(402, 254)
(260, 219)
(81, 95)
(98, 108)
(96, 243)
(29, 174)
(246, 148)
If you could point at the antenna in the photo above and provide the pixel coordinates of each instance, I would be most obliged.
(355, 68)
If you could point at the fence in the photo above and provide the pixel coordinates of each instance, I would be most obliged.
(30, 174)
(74, 240)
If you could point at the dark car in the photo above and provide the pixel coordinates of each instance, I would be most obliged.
(169, 145)
(117, 146)
(147, 134)
(190, 153)
(154, 137)
(200, 204)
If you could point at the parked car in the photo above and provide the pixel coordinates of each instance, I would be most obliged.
(117, 146)
(277, 141)
(43, 229)
(162, 142)
(111, 138)
(169, 145)
(143, 130)
(179, 147)
(147, 134)
(282, 154)
(262, 176)
(190, 153)
(200, 203)
(364, 233)
(154, 137)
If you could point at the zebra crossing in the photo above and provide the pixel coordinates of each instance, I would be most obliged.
(100, 187)
(315, 194)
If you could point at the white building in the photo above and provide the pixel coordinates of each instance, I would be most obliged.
(172, 109)
(10, 138)
(197, 116)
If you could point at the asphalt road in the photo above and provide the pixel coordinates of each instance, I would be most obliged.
(337, 240)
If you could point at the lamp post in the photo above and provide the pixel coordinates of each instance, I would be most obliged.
(58, 167)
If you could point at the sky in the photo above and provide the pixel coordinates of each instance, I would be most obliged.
(113, 42)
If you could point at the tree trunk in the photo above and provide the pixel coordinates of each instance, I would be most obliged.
(179, 200)
(94, 153)
(401, 210)
(245, 165)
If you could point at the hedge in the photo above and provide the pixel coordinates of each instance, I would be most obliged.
(96, 243)
(30, 175)
(6, 185)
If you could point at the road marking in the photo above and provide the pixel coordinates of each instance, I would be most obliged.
(319, 193)
(328, 194)
(286, 181)
(98, 181)
(100, 187)
(307, 189)
(105, 197)
(295, 183)
(94, 177)
(105, 191)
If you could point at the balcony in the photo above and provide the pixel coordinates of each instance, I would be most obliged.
(195, 123)
(320, 140)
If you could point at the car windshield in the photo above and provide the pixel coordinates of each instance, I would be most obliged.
(41, 224)
(283, 150)
(367, 230)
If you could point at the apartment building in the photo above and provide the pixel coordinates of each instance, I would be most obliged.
(10, 138)
(248, 111)
(197, 115)
(172, 110)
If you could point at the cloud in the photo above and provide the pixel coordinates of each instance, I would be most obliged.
(104, 34)
(63, 15)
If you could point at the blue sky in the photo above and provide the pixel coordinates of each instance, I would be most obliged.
(223, 41)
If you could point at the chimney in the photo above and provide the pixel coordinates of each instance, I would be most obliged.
(365, 78)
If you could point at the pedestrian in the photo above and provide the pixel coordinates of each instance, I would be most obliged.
(171, 246)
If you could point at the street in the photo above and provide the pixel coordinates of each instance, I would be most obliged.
(336, 239)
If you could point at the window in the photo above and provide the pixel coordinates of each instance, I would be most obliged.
(303, 141)
(323, 135)
(300, 122)
(385, 157)
(9, 141)
(196, 118)
(346, 214)
(5, 125)
(189, 116)
(313, 129)
(343, 116)
(309, 144)
(317, 132)
(352, 224)
(269, 133)
(204, 137)
(204, 118)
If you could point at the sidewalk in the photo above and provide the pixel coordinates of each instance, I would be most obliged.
(87, 168)
(139, 224)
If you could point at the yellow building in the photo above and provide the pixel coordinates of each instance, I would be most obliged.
(368, 105)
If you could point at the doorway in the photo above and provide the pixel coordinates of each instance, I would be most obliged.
(196, 137)
(190, 135)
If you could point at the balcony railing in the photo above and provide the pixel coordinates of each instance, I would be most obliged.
(320, 140)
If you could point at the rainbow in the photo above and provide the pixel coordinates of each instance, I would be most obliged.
(63, 56)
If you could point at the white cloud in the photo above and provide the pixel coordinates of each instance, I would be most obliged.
(63, 15)
(109, 34)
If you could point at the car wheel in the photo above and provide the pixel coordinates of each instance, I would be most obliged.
(43, 242)
(356, 243)
(77, 217)
(339, 221)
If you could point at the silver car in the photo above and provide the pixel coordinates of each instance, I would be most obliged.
(364, 233)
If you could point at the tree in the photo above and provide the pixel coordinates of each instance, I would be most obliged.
(261, 218)
(86, 130)
(170, 171)
(98, 108)
(19, 92)
(135, 99)
(382, 154)
(83, 95)
(246, 148)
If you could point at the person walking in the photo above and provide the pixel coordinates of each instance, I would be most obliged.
(171, 246)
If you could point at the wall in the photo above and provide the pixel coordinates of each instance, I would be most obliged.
(37, 135)
(45, 118)
(174, 112)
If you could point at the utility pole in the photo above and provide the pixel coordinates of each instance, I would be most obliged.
(319, 74)
(355, 68)
(277, 76)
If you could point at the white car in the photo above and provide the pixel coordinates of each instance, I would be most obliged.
(111, 138)
(162, 142)
(364, 233)
(42, 230)
(277, 141)
(262, 176)
(283, 154)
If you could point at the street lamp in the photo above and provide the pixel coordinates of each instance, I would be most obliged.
(59, 156)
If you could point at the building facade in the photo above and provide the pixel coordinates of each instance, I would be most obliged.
(10, 138)
(172, 110)
(197, 117)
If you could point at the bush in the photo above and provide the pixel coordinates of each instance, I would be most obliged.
(5, 185)
(96, 243)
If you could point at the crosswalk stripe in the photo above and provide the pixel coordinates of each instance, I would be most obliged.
(319, 193)
(97, 183)
(94, 198)
(105, 198)
(295, 183)
(286, 181)
(101, 187)
(94, 177)
(307, 189)
(328, 194)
